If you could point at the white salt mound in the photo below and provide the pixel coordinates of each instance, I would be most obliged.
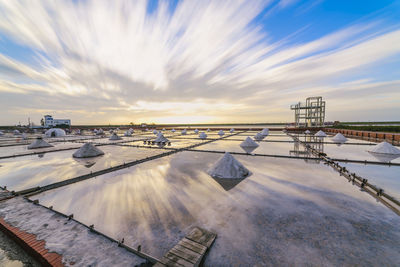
(173, 130)
(248, 142)
(39, 143)
(221, 133)
(55, 132)
(1, 133)
(339, 138)
(16, 132)
(202, 135)
(307, 132)
(155, 132)
(385, 148)
(87, 150)
(128, 133)
(114, 136)
(196, 131)
(265, 131)
(231, 130)
(208, 130)
(184, 131)
(259, 137)
(320, 133)
(161, 139)
(229, 168)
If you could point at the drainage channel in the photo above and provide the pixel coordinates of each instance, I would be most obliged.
(377, 193)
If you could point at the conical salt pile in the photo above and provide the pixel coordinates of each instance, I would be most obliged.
(196, 131)
(55, 132)
(1, 133)
(385, 148)
(259, 137)
(221, 133)
(265, 132)
(131, 130)
(320, 133)
(208, 130)
(114, 136)
(39, 143)
(173, 130)
(229, 168)
(249, 145)
(163, 129)
(161, 139)
(340, 138)
(248, 142)
(202, 135)
(88, 150)
(16, 132)
(24, 136)
(184, 132)
(155, 132)
(100, 132)
(128, 133)
(307, 132)
(231, 130)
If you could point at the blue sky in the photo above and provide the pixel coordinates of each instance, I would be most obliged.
(198, 61)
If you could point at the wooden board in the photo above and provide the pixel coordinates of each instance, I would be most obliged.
(190, 250)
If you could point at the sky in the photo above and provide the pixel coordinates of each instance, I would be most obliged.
(116, 62)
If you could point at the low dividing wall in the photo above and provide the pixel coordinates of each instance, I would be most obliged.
(393, 138)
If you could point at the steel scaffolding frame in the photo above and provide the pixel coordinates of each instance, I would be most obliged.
(311, 113)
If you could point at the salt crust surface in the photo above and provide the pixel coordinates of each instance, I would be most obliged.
(68, 238)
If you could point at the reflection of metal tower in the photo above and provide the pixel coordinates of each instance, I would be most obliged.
(311, 113)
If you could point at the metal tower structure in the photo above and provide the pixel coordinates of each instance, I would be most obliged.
(311, 113)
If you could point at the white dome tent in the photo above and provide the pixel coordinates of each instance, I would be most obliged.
(249, 145)
(55, 132)
(39, 143)
(88, 150)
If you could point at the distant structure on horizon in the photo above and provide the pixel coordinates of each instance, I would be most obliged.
(49, 122)
(309, 114)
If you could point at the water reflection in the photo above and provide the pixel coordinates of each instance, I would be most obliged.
(228, 184)
(87, 162)
(300, 150)
(384, 157)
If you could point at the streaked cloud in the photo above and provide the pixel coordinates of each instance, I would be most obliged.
(208, 60)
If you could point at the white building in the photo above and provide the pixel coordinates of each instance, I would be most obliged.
(50, 122)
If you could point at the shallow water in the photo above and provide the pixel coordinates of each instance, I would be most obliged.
(37, 170)
(287, 212)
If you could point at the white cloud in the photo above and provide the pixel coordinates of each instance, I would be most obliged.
(112, 56)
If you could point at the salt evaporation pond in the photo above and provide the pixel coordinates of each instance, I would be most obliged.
(23, 149)
(37, 170)
(270, 148)
(286, 213)
(386, 177)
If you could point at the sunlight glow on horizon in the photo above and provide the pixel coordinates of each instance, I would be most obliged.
(197, 61)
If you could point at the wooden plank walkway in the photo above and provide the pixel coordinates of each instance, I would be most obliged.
(190, 250)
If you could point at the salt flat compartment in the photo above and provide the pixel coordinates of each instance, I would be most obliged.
(37, 170)
(23, 149)
(386, 177)
(355, 152)
(286, 213)
(271, 148)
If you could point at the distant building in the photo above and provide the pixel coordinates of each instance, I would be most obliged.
(50, 122)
